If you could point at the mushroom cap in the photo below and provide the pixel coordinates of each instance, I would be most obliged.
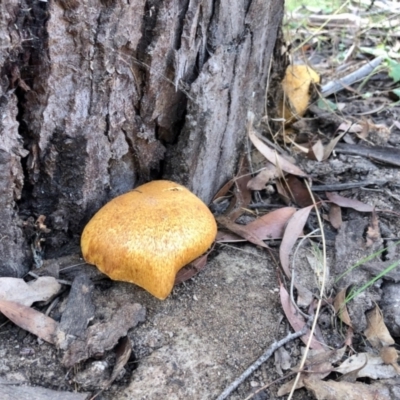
(298, 86)
(147, 235)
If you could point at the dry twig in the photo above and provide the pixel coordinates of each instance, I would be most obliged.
(322, 290)
(340, 84)
(275, 346)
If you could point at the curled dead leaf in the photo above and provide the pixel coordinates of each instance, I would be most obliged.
(273, 157)
(269, 173)
(271, 225)
(295, 319)
(123, 351)
(240, 230)
(298, 191)
(228, 237)
(30, 320)
(16, 289)
(317, 151)
(339, 305)
(373, 233)
(320, 365)
(293, 230)
(364, 365)
(389, 355)
(331, 390)
(348, 203)
(191, 269)
(335, 216)
(377, 333)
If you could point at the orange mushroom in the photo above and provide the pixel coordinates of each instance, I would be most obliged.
(147, 235)
(298, 86)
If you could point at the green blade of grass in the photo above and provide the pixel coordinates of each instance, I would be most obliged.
(372, 281)
(363, 261)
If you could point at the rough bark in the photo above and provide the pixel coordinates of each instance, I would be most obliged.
(99, 96)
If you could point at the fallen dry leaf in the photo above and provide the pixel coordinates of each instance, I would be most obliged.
(283, 191)
(273, 157)
(339, 305)
(282, 360)
(304, 296)
(352, 376)
(240, 230)
(17, 290)
(350, 127)
(331, 146)
(316, 265)
(389, 356)
(317, 151)
(320, 365)
(373, 233)
(224, 190)
(242, 195)
(228, 237)
(123, 351)
(298, 191)
(295, 319)
(293, 230)
(271, 225)
(367, 366)
(30, 320)
(331, 390)
(191, 269)
(348, 340)
(267, 174)
(335, 216)
(348, 203)
(377, 333)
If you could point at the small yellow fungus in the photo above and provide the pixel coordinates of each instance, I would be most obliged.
(298, 85)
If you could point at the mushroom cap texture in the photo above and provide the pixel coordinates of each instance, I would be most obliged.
(147, 235)
(297, 86)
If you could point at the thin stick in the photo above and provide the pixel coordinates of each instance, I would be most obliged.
(292, 280)
(275, 346)
(319, 304)
(340, 84)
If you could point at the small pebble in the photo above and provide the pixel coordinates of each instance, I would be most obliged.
(253, 384)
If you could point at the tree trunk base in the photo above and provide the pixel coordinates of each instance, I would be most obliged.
(100, 96)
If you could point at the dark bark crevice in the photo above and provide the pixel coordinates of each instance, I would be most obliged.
(23, 49)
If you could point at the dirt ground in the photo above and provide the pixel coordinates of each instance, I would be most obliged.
(191, 345)
(213, 326)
